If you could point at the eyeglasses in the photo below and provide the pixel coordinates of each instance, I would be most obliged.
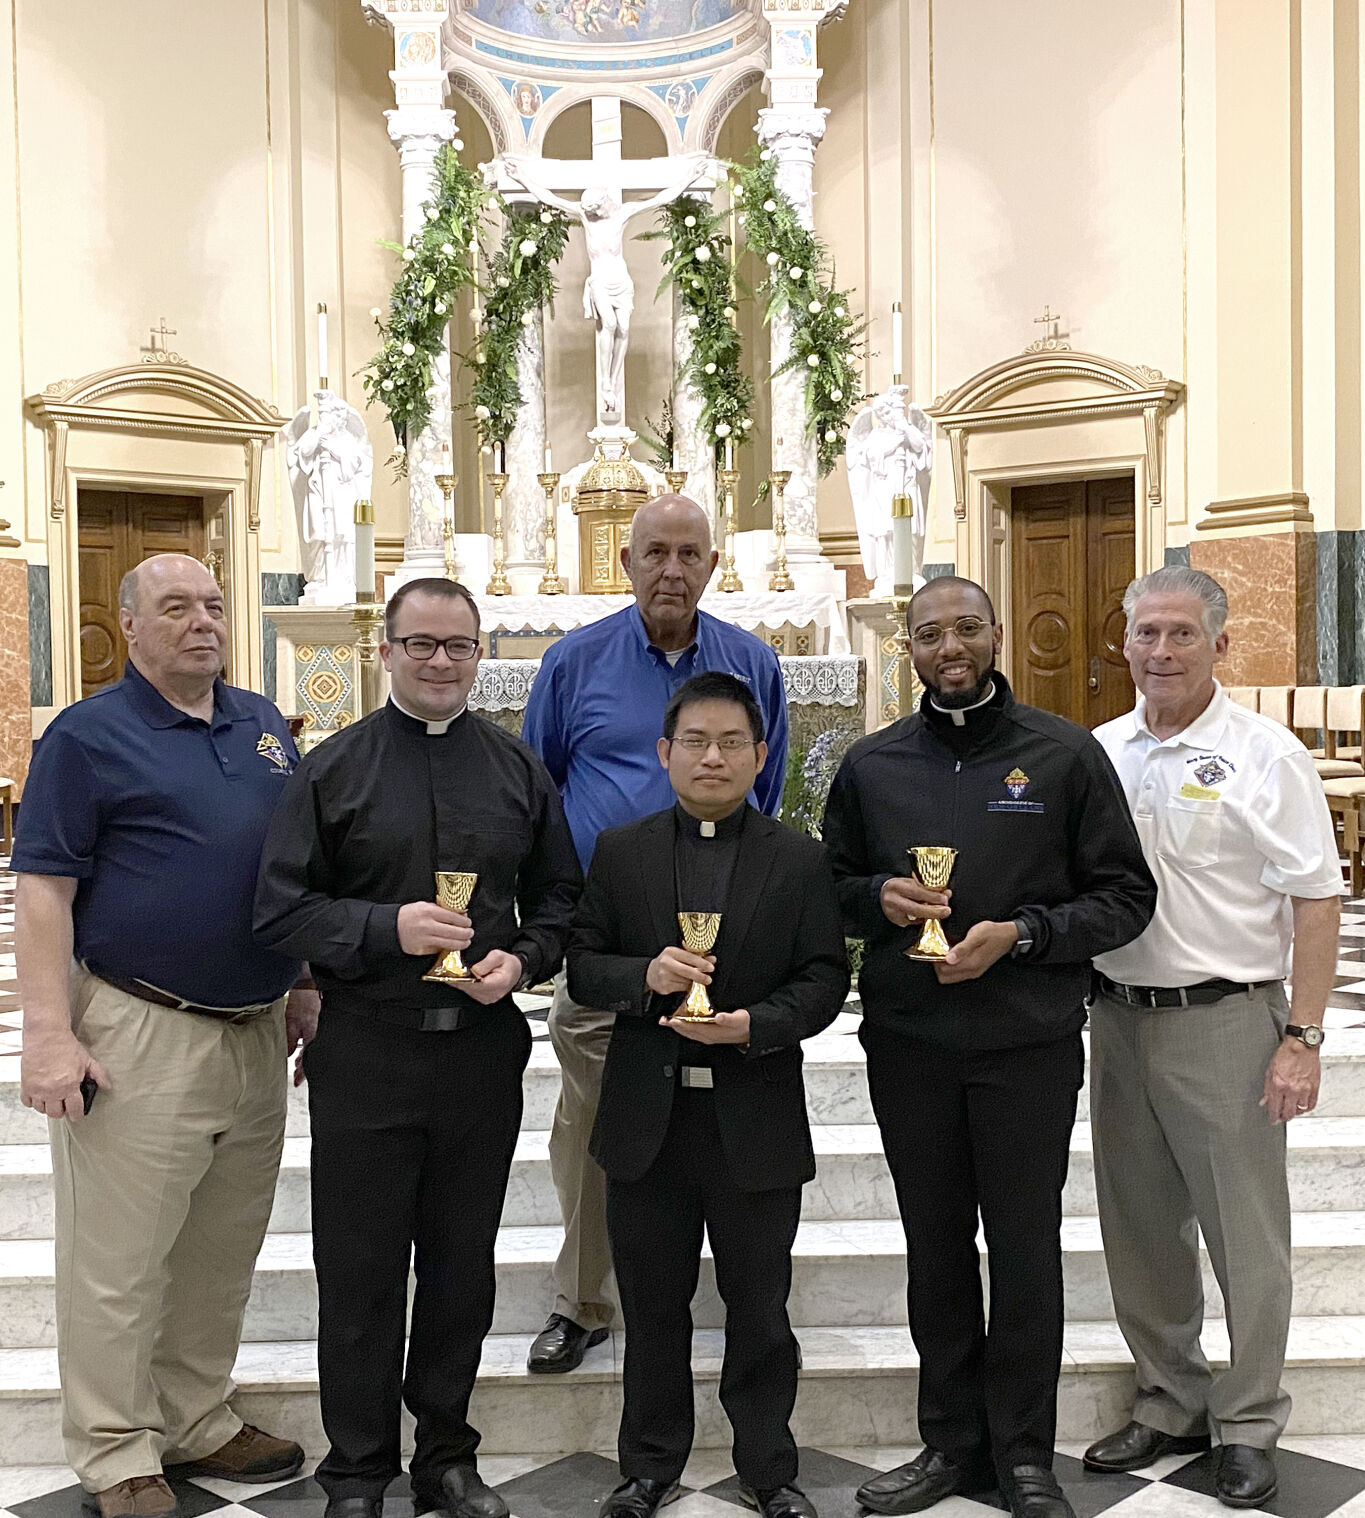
(931, 635)
(694, 743)
(419, 646)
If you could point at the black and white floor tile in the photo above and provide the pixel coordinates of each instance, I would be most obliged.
(1319, 1478)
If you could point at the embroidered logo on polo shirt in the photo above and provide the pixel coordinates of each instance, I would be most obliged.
(1209, 773)
(1016, 783)
(270, 748)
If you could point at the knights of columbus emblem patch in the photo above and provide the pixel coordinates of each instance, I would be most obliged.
(1016, 783)
(1210, 773)
(272, 749)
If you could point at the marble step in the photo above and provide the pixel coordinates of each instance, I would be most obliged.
(857, 1388)
(1326, 1173)
(845, 1274)
(836, 1087)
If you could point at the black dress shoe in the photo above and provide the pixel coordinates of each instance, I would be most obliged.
(1246, 1476)
(1034, 1493)
(561, 1345)
(640, 1497)
(466, 1495)
(353, 1507)
(928, 1478)
(778, 1501)
(1136, 1446)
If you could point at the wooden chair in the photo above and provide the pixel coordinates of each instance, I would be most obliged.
(7, 813)
(1276, 702)
(1309, 709)
(1245, 695)
(1345, 719)
(1345, 801)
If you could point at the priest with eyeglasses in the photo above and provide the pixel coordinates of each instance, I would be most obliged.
(414, 1085)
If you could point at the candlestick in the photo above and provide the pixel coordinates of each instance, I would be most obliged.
(322, 345)
(677, 480)
(364, 550)
(903, 544)
(897, 343)
(729, 578)
(367, 617)
(499, 585)
(446, 484)
(550, 582)
(780, 579)
(549, 461)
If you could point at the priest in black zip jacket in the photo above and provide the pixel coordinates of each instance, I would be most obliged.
(974, 1065)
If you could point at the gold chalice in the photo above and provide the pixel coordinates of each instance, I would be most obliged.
(699, 931)
(933, 865)
(453, 890)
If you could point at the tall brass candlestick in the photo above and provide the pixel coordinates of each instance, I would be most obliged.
(367, 618)
(550, 582)
(729, 578)
(676, 478)
(780, 579)
(446, 483)
(499, 585)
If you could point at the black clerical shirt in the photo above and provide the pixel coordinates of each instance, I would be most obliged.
(367, 820)
(704, 859)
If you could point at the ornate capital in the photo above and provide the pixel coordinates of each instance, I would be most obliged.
(792, 131)
(417, 131)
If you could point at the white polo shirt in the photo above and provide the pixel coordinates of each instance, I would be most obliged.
(1233, 823)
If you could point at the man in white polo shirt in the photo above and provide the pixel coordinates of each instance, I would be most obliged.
(1197, 1060)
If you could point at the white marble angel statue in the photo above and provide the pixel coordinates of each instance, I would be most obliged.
(331, 466)
(609, 293)
(890, 452)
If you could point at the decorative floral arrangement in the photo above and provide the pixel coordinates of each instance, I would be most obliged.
(698, 264)
(520, 281)
(809, 774)
(826, 336)
(436, 267)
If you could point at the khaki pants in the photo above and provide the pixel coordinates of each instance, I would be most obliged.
(163, 1194)
(1179, 1139)
(585, 1292)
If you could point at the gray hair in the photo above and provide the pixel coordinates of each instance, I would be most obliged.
(128, 590)
(1180, 580)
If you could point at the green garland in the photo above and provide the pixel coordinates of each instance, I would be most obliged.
(826, 336)
(521, 281)
(698, 266)
(436, 267)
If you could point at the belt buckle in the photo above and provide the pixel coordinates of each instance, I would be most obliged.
(698, 1077)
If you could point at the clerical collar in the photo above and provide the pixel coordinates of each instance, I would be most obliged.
(434, 729)
(699, 827)
(958, 714)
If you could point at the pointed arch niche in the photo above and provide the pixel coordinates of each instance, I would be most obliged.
(1052, 414)
(164, 428)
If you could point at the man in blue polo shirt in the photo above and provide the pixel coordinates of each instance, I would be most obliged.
(595, 717)
(159, 1055)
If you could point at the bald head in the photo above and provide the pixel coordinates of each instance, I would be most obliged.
(667, 512)
(668, 561)
(159, 571)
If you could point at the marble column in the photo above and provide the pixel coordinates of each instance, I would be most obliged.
(523, 503)
(418, 131)
(693, 440)
(792, 133)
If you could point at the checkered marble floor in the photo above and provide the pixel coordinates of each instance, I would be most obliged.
(1318, 1477)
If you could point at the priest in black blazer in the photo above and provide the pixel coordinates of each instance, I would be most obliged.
(704, 1124)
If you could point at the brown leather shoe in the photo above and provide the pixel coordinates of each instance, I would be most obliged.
(138, 1497)
(249, 1456)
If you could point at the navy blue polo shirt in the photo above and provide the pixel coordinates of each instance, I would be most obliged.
(160, 817)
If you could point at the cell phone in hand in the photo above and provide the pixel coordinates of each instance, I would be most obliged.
(88, 1090)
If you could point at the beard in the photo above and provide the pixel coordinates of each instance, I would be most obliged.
(958, 699)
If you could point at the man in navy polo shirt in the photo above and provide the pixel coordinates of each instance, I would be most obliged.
(595, 717)
(138, 846)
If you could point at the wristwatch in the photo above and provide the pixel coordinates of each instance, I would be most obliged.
(1024, 944)
(1308, 1034)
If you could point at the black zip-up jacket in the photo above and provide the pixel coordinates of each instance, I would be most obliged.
(1043, 833)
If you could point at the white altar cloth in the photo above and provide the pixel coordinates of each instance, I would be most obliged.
(747, 609)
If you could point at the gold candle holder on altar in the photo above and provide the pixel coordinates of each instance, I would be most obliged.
(780, 579)
(550, 582)
(499, 585)
(367, 617)
(676, 478)
(446, 484)
(729, 577)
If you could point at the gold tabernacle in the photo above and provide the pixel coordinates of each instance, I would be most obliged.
(453, 891)
(933, 865)
(699, 931)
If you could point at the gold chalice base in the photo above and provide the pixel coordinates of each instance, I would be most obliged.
(932, 947)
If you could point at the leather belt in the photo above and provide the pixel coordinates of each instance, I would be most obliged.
(1203, 994)
(415, 1019)
(131, 986)
(698, 1077)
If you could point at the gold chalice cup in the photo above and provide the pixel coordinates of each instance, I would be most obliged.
(933, 865)
(699, 931)
(453, 891)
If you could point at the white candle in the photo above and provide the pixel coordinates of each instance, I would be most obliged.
(897, 343)
(729, 454)
(902, 548)
(676, 456)
(364, 550)
(322, 339)
(497, 458)
(549, 461)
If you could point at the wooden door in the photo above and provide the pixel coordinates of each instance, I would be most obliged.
(1073, 552)
(116, 530)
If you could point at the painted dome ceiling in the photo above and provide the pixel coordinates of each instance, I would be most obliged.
(608, 23)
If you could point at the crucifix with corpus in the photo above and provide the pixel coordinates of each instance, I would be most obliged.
(602, 183)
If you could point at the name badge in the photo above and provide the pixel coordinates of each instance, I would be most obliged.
(1193, 792)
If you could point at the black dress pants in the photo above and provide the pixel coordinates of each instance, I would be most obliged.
(413, 1136)
(655, 1228)
(988, 1132)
